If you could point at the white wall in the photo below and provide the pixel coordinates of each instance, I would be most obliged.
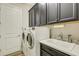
(25, 17)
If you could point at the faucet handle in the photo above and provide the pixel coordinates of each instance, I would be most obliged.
(60, 36)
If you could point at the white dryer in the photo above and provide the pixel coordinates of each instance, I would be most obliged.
(24, 41)
(35, 35)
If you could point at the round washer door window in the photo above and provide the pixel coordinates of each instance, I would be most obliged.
(30, 40)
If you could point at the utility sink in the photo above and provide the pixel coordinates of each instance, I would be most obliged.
(69, 48)
(61, 44)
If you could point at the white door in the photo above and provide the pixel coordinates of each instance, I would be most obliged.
(11, 29)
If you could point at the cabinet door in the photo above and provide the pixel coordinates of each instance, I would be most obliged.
(44, 53)
(52, 12)
(40, 14)
(78, 9)
(67, 11)
(37, 15)
(31, 18)
(42, 10)
(47, 50)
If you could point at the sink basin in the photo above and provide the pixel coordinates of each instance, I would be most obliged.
(66, 47)
(61, 44)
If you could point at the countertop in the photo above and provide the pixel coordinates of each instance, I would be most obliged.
(66, 47)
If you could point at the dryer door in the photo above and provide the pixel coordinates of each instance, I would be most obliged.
(30, 40)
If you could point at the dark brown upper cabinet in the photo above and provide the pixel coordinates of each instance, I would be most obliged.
(78, 10)
(47, 13)
(40, 14)
(37, 15)
(31, 18)
(67, 11)
(52, 12)
(42, 11)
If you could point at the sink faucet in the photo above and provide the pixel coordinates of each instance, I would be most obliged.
(70, 38)
(60, 36)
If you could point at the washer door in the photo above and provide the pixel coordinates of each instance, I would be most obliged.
(30, 40)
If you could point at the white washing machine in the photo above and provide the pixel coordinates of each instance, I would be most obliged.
(34, 36)
(24, 41)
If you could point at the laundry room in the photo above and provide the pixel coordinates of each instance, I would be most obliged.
(62, 21)
(39, 29)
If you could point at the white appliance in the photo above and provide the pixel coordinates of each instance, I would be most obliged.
(24, 41)
(36, 34)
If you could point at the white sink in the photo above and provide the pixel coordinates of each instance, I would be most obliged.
(69, 48)
(61, 44)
